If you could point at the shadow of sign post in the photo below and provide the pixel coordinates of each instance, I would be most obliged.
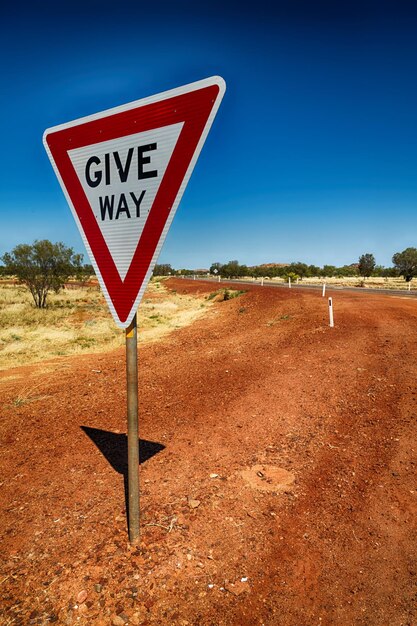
(113, 446)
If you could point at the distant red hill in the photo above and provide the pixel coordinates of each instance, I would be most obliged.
(273, 265)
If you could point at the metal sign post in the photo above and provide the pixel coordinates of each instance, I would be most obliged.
(132, 430)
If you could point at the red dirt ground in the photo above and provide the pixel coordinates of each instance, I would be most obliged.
(285, 494)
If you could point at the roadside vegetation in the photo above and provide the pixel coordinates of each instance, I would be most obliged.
(43, 267)
(221, 295)
(77, 320)
(404, 268)
(404, 265)
(51, 305)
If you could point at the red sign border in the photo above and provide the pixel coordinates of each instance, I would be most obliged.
(191, 108)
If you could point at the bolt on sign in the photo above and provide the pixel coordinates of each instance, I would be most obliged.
(123, 172)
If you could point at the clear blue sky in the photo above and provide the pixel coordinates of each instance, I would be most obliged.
(312, 156)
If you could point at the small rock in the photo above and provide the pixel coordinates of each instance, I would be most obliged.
(118, 621)
(148, 604)
(214, 475)
(135, 619)
(82, 596)
(193, 504)
(98, 587)
(237, 588)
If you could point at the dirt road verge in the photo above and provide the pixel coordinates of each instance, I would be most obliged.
(260, 389)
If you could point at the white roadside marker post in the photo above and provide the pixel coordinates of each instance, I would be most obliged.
(409, 286)
(331, 322)
(324, 290)
(262, 282)
(289, 282)
(220, 278)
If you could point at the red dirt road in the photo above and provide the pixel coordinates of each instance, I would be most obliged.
(285, 493)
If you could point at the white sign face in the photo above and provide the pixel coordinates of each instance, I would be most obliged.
(120, 179)
(123, 172)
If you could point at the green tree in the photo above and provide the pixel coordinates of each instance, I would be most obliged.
(378, 270)
(87, 270)
(406, 263)
(42, 267)
(328, 271)
(290, 274)
(84, 273)
(163, 269)
(389, 272)
(366, 264)
(231, 269)
(301, 269)
(347, 270)
(313, 270)
(215, 266)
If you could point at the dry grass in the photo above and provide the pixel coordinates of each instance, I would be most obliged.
(352, 281)
(357, 281)
(78, 321)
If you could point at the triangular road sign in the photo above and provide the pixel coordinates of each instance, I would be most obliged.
(123, 172)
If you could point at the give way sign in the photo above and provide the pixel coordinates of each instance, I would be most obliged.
(123, 172)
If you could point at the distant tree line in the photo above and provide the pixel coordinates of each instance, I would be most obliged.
(45, 266)
(297, 270)
(166, 269)
(405, 264)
